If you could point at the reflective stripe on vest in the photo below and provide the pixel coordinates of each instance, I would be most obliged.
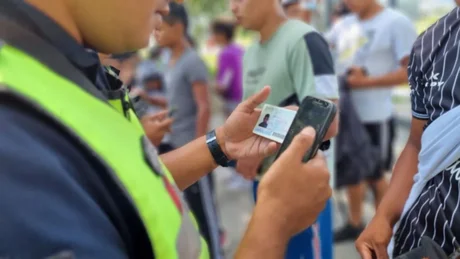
(118, 144)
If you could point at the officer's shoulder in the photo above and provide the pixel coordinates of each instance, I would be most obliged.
(25, 136)
(2, 45)
(46, 181)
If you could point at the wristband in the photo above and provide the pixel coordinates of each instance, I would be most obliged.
(216, 151)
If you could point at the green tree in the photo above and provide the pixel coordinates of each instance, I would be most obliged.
(201, 13)
(208, 8)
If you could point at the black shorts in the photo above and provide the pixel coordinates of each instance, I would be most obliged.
(382, 135)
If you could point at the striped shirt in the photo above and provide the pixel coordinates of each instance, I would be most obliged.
(434, 72)
(434, 69)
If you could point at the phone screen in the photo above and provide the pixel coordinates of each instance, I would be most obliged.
(313, 112)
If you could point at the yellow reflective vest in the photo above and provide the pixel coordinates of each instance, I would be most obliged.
(116, 138)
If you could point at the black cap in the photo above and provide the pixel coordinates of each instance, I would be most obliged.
(177, 13)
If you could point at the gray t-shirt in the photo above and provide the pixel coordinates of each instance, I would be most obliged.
(377, 44)
(179, 79)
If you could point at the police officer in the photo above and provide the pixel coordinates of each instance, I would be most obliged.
(78, 178)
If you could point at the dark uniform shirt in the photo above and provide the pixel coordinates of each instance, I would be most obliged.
(434, 77)
(55, 198)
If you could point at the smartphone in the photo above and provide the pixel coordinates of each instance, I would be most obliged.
(314, 112)
(172, 111)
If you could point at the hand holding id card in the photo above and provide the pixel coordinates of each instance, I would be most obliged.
(274, 123)
(313, 112)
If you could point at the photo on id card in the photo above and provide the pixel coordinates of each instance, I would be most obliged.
(274, 123)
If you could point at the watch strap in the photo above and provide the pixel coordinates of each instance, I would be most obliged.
(216, 151)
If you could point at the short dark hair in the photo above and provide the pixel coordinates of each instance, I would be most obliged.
(267, 116)
(225, 28)
(177, 13)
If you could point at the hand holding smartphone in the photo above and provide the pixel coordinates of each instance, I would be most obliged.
(314, 112)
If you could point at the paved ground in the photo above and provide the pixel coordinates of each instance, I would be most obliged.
(235, 206)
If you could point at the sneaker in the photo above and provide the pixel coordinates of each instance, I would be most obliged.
(347, 233)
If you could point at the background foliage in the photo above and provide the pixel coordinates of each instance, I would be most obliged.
(207, 7)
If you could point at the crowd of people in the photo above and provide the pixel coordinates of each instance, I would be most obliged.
(370, 47)
(107, 154)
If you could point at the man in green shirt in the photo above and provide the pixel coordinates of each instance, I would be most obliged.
(290, 56)
(295, 61)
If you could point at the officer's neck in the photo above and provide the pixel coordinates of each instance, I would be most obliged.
(58, 11)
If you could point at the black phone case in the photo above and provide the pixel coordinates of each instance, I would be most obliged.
(320, 133)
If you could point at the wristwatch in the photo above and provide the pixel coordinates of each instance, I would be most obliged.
(216, 151)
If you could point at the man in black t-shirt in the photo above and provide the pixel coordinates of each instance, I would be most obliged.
(434, 80)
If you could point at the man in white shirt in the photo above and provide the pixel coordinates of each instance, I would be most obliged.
(372, 46)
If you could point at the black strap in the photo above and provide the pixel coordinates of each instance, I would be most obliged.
(20, 38)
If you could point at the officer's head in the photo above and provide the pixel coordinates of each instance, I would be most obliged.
(173, 29)
(254, 14)
(110, 26)
(359, 6)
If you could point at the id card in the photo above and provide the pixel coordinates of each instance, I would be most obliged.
(274, 123)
